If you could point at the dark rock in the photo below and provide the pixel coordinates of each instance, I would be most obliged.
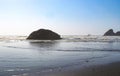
(117, 33)
(44, 34)
(109, 33)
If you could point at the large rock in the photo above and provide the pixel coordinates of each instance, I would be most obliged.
(44, 34)
(111, 33)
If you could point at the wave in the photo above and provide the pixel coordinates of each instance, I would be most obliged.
(93, 38)
(15, 47)
(118, 50)
(69, 38)
(65, 50)
(68, 43)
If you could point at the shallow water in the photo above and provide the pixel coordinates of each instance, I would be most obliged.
(19, 56)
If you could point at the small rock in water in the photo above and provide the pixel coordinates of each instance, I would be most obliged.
(111, 33)
(118, 33)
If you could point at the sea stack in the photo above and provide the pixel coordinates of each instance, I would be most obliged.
(118, 33)
(110, 32)
(44, 34)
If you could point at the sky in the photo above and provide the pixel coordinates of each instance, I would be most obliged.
(66, 17)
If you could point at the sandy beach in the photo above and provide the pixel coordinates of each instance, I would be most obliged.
(111, 69)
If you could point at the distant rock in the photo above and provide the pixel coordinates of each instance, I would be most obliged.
(44, 34)
(118, 33)
(111, 33)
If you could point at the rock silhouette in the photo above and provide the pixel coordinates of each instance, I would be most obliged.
(118, 33)
(44, 34)
(110, 32)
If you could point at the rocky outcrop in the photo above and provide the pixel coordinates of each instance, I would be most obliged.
(118, 33)
(111, 33)
(44, 34)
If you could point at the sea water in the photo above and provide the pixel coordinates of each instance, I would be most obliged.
(19, 56)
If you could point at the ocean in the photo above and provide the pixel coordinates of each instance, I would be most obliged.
(21, 57)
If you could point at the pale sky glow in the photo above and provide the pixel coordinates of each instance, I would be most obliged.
(71, 17)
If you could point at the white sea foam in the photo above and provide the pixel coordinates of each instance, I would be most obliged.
(77, 38)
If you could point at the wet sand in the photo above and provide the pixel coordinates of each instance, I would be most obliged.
(111, 69)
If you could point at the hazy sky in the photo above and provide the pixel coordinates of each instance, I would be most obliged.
(72, 17)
